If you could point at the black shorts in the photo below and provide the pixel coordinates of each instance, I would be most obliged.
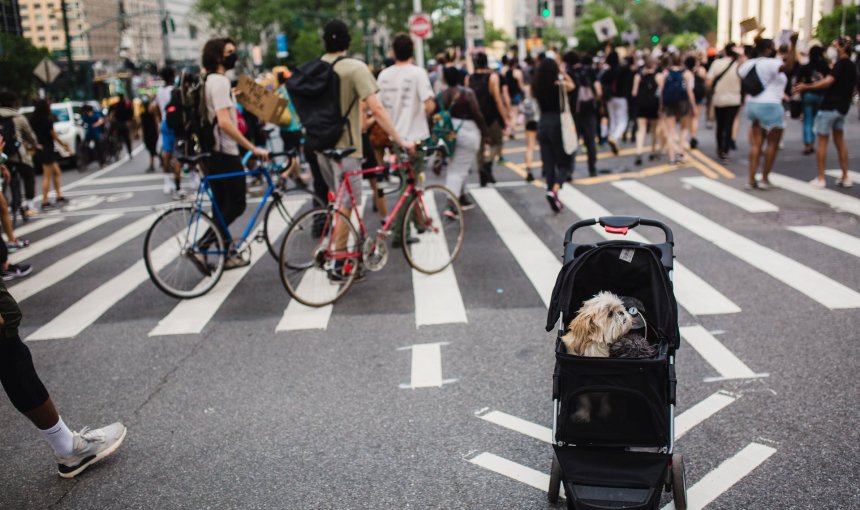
(292, 139)
(650, 113)
(531, 125)
(46, 157)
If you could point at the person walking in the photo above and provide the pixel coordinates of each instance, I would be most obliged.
(764, 110)
(150, 119)
(94, 125)
(645, 95)
(838, 89)
(725, 83)
(43, 125)
(700, 92)
(121, 114)
(169, 165)
(676, 100)
(20, 162)
(550, 87)
(219, 55)
(487, 87)
(471, 129)
(517, 90)
(406, 93)
(13, 243)
(583, 103)
(613, 82)
(809, 73)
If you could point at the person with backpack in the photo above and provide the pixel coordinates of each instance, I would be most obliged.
(20, 139)
(550, 88)
(221, 136)
(764, 79)
(647, 100)
(487, 86)
(838, 87)
(406, 93)
(700, 92)
(725, 83)
(675, 87)
(584, 102)
(516, 89)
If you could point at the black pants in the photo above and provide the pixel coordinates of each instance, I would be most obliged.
(586, 128)
(229, 192)
(725, 119)
(124, 134)
(17, 373)
(320, 187)
(557, 166)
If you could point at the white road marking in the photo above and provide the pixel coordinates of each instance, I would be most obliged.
(95, 175)
(520, 425)
(88, 309)
(831, 237)
(721, 479)
(837, 174)
(731, 195)
(34, 225)
(86, 202)
(190, 316)
(817, 286)
(67, 234)
(540, 265)
(835, 199)
(68, 265)
(717, 355)
(125, 179)
(701, 412)
(426, 366)
(510, 469)
(437, 296)
(691, 291)
(109, 191)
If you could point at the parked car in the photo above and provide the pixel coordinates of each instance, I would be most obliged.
(68, 125)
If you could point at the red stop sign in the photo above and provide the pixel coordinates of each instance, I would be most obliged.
(420, 26)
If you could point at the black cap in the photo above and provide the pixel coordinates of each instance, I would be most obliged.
(336, 30)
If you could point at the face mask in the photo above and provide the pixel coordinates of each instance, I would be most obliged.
(832, 54)
(230, 61)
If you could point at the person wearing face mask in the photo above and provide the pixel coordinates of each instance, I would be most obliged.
(811, 71)
(838, 88)
(764, 110)
(219, 56)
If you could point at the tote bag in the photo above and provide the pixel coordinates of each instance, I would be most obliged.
(568, 129)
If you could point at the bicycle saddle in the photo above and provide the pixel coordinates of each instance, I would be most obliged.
(338, 154)
(193, 159)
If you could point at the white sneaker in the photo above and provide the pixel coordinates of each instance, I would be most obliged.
(90, 447)
(818, 183)
(844, 183)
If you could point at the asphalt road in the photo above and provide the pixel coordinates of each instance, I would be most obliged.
(241, 415)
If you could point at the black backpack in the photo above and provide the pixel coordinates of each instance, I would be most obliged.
(751, 84)
(7, 129)
(174, 114)
(646, 97)
(197, 127)
(480, 85)
(314, 88)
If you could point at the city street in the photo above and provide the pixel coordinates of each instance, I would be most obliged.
(406, 394)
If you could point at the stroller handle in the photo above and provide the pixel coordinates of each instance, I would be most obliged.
(619, 225)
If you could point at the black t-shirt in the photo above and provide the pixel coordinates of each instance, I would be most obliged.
(838, 96)
(43, 129)
(583, 76)
(122, 111)
(810, 73)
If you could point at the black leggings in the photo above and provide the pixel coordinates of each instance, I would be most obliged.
(124, 135)
(229, 193)
(586, 128)
(725, 119)
(17, 373)
(557, 165)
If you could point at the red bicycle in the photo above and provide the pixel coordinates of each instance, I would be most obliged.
(326, 249)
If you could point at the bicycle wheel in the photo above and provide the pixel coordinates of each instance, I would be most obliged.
(320, 257)
(176, 260)
(282, 210)
(440, 236)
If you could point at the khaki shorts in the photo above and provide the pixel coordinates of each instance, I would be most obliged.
(332, 173)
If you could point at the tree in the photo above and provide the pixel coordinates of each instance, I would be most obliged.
(830, 25)
(19, 58)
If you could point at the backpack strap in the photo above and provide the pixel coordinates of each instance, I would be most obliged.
(719, 76)
(345, 117)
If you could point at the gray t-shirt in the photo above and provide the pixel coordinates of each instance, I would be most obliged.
(219, 95)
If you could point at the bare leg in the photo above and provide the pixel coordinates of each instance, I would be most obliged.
(45, 416)
(6, 219)
(672, 146)
(842, 150)
(773, 138)
(378, 198)
(56, 178)
(736, 126)
(756, 140)
(821, 155)
(641, 127)
(531, 142)
(46, 182)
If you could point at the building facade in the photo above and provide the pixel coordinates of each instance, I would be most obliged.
(801, 16)
(185, 43)
(10, 18)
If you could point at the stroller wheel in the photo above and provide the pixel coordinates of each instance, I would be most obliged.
(679, 482)
(554, 480)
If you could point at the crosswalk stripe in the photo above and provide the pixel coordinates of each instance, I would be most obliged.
(831, 237)
(88, 309)
(73, 232)
(539, 264)
(837, 174)
(437, 296)
(691, 291)
(517, 424)
(510, 469)
(835, 199)
(70, 264)
(426, 366)
(190, 316)
(701, 412)
(36, 225)
(820, 288)
(721, 479)
(731, 195)
(125, 178)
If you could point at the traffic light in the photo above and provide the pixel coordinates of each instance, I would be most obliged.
(655, 39)
(543, 8)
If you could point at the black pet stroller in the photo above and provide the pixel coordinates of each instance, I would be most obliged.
(622, 455)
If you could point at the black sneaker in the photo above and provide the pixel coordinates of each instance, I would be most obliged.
(16, 271)
(62, 200)
(466, 203)
(694, 143)
(530, 176)
(48, 206)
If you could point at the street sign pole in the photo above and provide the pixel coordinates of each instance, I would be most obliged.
(419, 42)
(72, 74)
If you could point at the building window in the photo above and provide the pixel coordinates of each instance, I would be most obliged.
(41, 39)
(40, 29)
(192, 32)
(25, 18)
(38, 17)
(55, 38)
(37, 6)
(558, 8)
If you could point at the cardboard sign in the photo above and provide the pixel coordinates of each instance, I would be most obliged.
(605, 29)
(263, 103)
(748, 25)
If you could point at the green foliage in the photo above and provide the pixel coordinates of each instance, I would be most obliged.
(684, 41)
(830, 25)
(19, 58)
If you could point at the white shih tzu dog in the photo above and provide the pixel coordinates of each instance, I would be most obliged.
(600, 321)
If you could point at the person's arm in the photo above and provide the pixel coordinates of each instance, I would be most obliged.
(569, 86)
(225, 124)
(691, 82)
(496, 92)
(385, 122)
(598, 90)
(57, 139)
(636, 80)
(518, 75)
(821, 84)
(791, 56)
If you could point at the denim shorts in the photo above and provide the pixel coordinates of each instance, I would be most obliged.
(768, 115)
(828, 120)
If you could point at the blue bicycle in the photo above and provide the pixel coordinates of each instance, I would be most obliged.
(185, 251)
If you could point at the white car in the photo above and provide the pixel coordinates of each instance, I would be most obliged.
(67, 125)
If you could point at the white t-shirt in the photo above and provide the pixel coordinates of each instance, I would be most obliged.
(403, 90)
(768, 72)
(727, 91)
(219, 95)
(162, 99)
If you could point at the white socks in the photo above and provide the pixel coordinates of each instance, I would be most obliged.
(168, 183)
(60, 438)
